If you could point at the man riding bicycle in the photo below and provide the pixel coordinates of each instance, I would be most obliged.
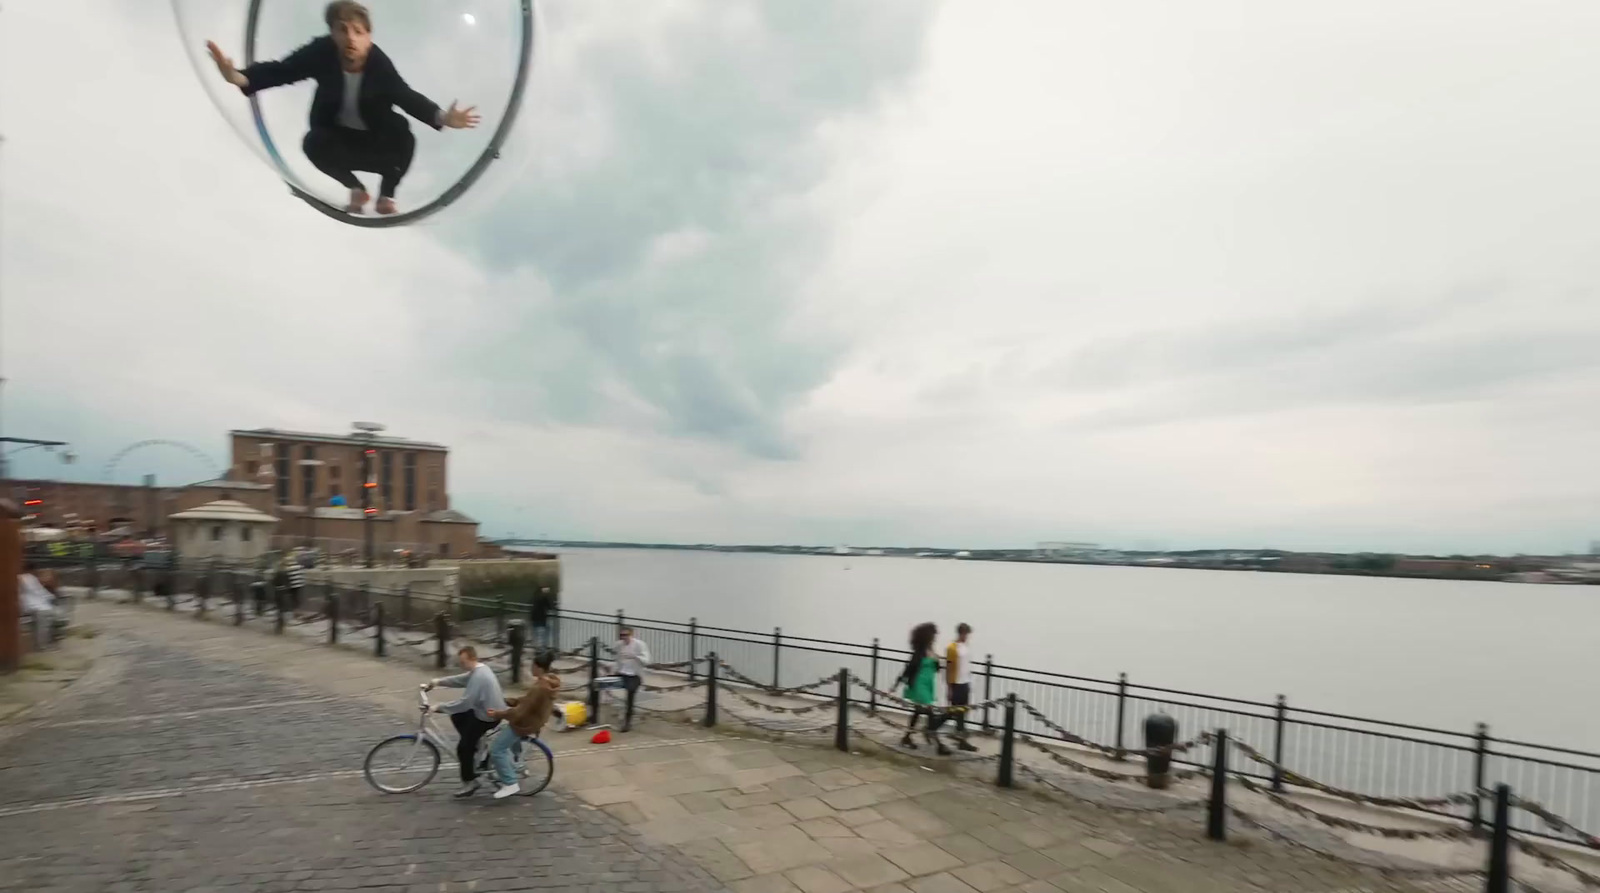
(470, 712)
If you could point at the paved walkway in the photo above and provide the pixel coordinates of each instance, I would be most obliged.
(199, 756)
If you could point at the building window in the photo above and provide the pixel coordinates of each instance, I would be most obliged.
(411, 482)
(444, 549)
(216, 533)
(244, 534)
(308, 476)
(283, 479)
(386, 483)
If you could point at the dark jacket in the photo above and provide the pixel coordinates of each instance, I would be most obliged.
(382, 87)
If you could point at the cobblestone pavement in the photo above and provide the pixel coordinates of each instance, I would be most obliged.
(199, 756)
(118, 789)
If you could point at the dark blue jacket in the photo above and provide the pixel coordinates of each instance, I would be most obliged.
(382, 87)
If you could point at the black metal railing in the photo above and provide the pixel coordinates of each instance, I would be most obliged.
(1381, 758)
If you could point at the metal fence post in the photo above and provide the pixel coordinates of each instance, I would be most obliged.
(1500, 842)
(378, 644)
(138, 585)
(711, 691)
(1008, 745)
(1480, 760)
(988, 689)
(333, 616)
(777, 646)
(238, 598)
(594, 676)
(1280, 718)
(499, 619)
(841, 731)
(872, 692)
(1122, 710)
(694, 633)
(441, 628)
(202, 591)
(1217, 808)
(621, 622)
(282, 600)
(516, 652)
(170, 581)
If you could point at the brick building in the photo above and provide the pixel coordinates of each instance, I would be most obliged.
(296, 477)
(304, 475)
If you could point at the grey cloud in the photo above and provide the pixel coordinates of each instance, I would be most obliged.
(720, 147)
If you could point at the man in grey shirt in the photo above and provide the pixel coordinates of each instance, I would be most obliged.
(470, 712)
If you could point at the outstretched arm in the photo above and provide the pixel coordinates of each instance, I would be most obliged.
(297, 66)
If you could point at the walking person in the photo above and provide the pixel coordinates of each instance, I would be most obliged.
(958, 682)
(633, 655)
(541, 618)
(919, 673)
(296, 577)
(470, 713)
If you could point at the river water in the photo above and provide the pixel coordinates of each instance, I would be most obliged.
(1521, 657)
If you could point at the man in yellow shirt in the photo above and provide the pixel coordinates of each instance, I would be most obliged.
(958, 680)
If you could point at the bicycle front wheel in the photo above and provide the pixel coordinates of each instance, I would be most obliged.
(401, 764)
(541, 766)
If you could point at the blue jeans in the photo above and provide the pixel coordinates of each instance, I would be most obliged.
(542, 638)
(500, 750)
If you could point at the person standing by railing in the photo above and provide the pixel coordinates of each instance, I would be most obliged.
(918, 675)
(633, 655)
(958, 683)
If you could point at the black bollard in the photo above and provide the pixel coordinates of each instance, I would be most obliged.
(1280, 719)
(377, 623)
(202, 591)
(1500, 842)
(1160, 732)
(1217, 808)
(777, 646)
(516, 635)
(872, 690)
(258, 595)
(282, 600)
(238, 599)
(594, 676)
(711, 691)
(333, 617)
(1122, 709)
(500, 619)
(1008, 744)
(694, 631)
(841, 732)
(441, 628)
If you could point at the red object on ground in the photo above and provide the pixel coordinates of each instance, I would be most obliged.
(601, 737)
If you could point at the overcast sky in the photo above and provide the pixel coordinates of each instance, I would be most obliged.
(846, 271)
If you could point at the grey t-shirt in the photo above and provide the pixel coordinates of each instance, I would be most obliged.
(482, 692)
(349, 112)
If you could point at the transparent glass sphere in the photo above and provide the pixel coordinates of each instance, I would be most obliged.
(477, 53)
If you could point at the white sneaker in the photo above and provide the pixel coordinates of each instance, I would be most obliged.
(507, 791)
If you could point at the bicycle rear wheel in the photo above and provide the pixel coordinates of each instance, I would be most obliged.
(401, 764)
(541, 766)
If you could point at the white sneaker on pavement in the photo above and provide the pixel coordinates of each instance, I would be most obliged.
(507, 791)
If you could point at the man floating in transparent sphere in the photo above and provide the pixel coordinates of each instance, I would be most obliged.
(354, 126)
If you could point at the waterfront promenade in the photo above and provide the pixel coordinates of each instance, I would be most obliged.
(195, 755)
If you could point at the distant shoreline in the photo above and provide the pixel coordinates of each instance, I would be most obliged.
(1484, 569)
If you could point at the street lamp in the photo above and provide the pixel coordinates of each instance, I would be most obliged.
(366, 431)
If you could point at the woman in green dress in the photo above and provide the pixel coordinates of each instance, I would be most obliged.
(918, 675)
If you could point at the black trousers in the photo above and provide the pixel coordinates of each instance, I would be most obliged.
(630, 684)
(472, 729)
(339, 152)
(960, 697)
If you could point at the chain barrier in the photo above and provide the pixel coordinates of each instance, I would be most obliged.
(1345, 824)
(1552, 821)
(682, 686)
(776, 708)
(1102, 774)
(1409, 871)
(1294, 778)
(1551, 860)
(736, 676)
(1158, 807)
(776, 729)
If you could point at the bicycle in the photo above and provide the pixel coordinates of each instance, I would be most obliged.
(420, 752)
